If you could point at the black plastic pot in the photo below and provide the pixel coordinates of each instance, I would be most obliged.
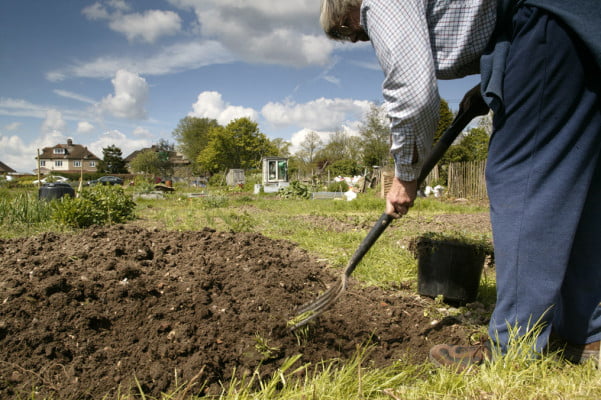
(448, 268)
(55, 190)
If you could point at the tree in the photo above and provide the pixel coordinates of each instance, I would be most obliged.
(151, 162)
(472, 147)
(340, 155)
(445, 119)
(145, 162)
(282, 146)
(239, 145)
(112, 161)
(374, 134)
(192, 136)
(310, 145)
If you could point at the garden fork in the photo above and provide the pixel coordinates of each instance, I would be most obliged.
(472, 105)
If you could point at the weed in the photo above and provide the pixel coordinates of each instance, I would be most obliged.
(262, 346)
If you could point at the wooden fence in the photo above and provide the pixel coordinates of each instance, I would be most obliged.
(467, 180)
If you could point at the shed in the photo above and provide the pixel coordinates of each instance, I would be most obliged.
(275, 174)
(235, 177)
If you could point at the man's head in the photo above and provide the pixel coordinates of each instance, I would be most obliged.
(341, 20)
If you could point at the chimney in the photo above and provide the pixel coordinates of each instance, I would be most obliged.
(69, 142)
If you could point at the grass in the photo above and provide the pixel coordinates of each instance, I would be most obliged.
(332, 230)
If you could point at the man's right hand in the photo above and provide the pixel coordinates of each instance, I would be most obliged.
(400, 197)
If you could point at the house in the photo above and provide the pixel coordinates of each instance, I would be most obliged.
(66, 158)
(5, 169)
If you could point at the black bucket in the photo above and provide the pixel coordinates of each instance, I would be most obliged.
(448, 268)
(55, 190)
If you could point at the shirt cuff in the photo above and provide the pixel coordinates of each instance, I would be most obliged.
(404, 170)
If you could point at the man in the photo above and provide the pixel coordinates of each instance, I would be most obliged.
(539, 62)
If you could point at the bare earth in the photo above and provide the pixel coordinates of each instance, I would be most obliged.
(82, 315)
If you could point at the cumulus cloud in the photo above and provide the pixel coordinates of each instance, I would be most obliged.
(84, 127)
(15, 154)
(54, 122)
(142, 132)
(211, 105)
(119, 139)
(147, 26)
(321, 114)
(298, 137)
(264, 31)
(129, 99)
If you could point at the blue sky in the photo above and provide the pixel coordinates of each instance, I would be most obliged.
(124, 72)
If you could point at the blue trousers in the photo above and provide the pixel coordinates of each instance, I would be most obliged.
(544, 184)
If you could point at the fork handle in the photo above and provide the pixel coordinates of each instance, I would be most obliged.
(368, 241)
(471, 107)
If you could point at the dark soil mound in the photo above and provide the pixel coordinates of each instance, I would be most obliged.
(84, 314)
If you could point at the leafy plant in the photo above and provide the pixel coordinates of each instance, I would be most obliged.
(98, 205)
(338, 187)
(295, 190)
(239, 222)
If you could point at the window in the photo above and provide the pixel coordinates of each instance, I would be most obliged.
(58, 163)
(60, 150)
(92, 164)
(43, 163)
(277, 170)
(77, 164)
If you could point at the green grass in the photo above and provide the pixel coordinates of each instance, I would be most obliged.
(332, 230)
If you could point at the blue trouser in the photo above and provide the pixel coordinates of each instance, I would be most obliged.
(544, 184)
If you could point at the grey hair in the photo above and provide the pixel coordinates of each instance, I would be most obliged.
(334, 11)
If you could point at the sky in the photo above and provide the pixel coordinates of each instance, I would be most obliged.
(125, 72)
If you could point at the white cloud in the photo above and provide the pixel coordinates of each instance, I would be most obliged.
(54, 122)
(147, 26)
(129, 99)
(74, 96)
(320, 114)
(119, 139)
(299, 137)
(265, 31)
(175, 58)
(15, 154)
(142, 133)
(211, 105)
(95, 11)
(21, 108)
(84, 127)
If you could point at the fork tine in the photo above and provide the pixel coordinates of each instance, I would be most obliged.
(320, 304)
(324, 299)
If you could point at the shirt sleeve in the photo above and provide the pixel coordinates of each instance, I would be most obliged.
(398, 31)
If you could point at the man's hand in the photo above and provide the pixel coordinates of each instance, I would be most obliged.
(400, 197)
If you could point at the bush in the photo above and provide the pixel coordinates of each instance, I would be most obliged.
(341, 186)
(98, 205)
(295, 190)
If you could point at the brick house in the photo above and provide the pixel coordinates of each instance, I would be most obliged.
(67, 158)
